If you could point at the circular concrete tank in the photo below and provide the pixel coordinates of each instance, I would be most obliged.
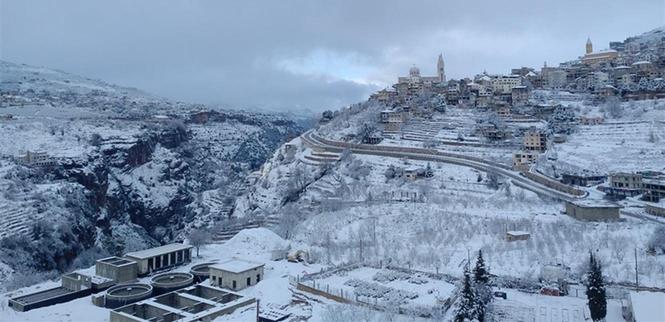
(120, 295)
(201, 272)
(167, 282)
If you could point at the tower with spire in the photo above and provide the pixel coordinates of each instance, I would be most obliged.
(441, 69)
(589, 46)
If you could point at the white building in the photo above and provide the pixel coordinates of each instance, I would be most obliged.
(236, 274)
(503, 84)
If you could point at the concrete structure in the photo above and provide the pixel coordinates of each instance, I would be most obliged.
(656, 209)
(653, 188)
(46, 297)
(582, 178)
(201, 272)
(592, 210)
(625, 184)
(75, 281)
(124, 294)
(194, 303)
(117, 268)
(74, 285)
(171, 281)
(236, 274)
(535, 141)
(161, 257)
(522, 159)
(517, 235)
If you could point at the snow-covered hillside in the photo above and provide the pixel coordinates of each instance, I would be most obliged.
(127, 168)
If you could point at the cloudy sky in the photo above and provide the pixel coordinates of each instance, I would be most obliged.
(304, 54)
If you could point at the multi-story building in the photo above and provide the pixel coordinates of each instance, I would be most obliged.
(523, 159)
(625, 183)
(535, 141)
(392, 120)
(36, 159)
(653, 188)
(503, 84)
(520, 95)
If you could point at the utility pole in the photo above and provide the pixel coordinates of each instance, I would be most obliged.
(257, 310)
(468, 260)
(637, 281)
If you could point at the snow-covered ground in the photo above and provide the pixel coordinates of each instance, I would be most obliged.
(614, 146)
(520, 306)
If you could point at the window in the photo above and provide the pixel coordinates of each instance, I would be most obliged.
(234, 284)
(249, 281)
(258, 278)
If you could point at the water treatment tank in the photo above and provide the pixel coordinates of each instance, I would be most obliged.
(124, 294)
(171, 281)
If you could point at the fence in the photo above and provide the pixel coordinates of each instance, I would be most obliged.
(308, 284)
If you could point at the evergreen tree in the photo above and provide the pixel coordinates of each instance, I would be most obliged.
(595, 290)
(481, 278)
(480, 273)
(468, 307)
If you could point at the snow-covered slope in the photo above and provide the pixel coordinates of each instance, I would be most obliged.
(129, 168)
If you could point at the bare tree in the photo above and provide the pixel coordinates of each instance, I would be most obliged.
(198, 238)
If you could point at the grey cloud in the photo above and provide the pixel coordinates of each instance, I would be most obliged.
(226, 52)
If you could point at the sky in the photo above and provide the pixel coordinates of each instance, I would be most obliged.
(304, 54)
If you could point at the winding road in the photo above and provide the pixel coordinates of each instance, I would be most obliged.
(317, 142)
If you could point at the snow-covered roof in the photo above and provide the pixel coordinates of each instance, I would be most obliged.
(517, 233)
(648, 306)
(152, 252)
(590, 203)
(236, 265)
(641, 62)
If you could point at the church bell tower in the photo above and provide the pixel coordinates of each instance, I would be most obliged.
(589, 46)
(441, 69)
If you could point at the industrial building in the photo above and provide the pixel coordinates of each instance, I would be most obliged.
(589, 210)
(158, 258)
(116, 268)
(194, 303)
(108, 272)
(236, 274)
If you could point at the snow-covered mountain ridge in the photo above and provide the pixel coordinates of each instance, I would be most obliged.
(126, 169)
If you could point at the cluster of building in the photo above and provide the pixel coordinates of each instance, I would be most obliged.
(630, 70)
(169, 296)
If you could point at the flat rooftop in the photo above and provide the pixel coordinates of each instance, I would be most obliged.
(157, 251)
(595, 204)
(42, 295)
(517, 232)
(236, 265)
(115, 261)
